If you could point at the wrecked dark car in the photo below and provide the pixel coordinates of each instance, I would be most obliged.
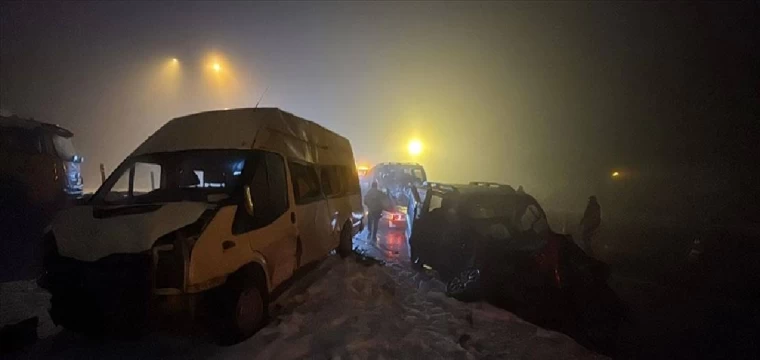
(489, 241)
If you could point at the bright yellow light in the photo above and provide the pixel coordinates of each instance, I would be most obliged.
(175, 61)
(217, 67)
(615, 174)
(415, 147)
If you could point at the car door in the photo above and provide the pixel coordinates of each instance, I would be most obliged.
(427, 228)
(412, 213)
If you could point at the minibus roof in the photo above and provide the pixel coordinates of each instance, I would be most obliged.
(251, 128)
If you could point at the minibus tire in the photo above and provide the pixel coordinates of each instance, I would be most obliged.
(345, 247)
(244, 309)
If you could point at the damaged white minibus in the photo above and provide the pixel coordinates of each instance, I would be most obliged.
(206, 218)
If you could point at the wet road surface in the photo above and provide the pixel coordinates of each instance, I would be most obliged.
(390, 245)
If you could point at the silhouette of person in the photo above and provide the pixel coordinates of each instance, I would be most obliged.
(592, 218)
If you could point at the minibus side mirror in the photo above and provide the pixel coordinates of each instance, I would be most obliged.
(248, 199)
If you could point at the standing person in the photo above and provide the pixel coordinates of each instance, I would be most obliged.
(592, 218)
(375, 201)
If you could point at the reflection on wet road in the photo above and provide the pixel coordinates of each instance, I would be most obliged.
(391, 245)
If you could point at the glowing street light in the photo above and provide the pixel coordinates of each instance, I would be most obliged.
(415, 147)
(615, 174)
(217, 67)
(175, 61)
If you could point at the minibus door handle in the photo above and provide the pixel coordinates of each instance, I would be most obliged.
(292, 217)
(226, 245)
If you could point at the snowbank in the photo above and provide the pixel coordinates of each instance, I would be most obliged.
(347, 309)
(350, 310)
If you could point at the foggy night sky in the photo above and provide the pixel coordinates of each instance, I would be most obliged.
(553, 96)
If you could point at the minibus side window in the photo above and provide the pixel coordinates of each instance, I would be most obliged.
(278, 183)
(350, 180)
(306, 186)
(269, 192)
(327, 186)
(331, 180)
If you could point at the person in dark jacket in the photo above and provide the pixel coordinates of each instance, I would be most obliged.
(376, 201)
(592, 218)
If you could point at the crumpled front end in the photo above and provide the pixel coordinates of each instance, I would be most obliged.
(110, 295)
(118, 293)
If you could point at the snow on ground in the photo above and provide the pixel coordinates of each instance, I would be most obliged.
(20, 300)
(344, 309)
(393, 312)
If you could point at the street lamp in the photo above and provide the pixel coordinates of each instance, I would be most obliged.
(415, 147)
(615, 174)
(217, 67)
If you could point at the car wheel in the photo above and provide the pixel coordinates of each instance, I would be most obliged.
(345, 247)
(244, 310)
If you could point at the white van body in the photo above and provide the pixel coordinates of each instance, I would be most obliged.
(194, 227)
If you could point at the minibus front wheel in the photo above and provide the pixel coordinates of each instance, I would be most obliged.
(244, 307)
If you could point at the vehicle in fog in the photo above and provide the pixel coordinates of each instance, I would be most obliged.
(39, 163)
(394, 176)
(489, 241)
(205, 218)
(396, 179)
(361, 171)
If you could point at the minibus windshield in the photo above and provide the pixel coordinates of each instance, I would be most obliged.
(175, 176)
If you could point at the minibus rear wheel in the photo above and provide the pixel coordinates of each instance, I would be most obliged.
(244, 308)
